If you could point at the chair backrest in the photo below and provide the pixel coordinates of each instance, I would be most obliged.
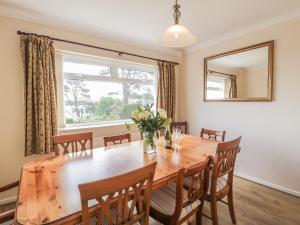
(8, 214)
(73, 142)
(181, 125)
(213, 134)
(198, 177)
(118, 139)
(123, 199)
(224, 161)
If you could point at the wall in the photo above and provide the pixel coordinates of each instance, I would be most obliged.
(257, 82)
(11, 88)
(242, 85)
(270, 151)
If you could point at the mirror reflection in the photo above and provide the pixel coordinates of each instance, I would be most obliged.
(243, 75)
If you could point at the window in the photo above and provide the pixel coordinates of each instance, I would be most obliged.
(100, 91)
(215, 87)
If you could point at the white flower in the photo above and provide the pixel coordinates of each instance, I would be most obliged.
(144, 115)
(135, 115)
(162, 113)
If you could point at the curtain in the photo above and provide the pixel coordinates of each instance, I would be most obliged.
(40, 93)
(166, 88)
(233, 87)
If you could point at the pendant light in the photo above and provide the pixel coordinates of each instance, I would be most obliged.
(177, 35)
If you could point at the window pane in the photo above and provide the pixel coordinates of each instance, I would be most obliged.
(135, 74)
(87, 69)
(215, 88)
(101, 101)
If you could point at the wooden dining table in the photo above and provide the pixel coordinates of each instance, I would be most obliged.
(49, 187)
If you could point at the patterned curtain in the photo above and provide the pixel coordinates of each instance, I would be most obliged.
(166, 88)
(233, 87)
(38, 56)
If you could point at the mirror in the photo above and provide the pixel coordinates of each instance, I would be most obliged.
(240, 75)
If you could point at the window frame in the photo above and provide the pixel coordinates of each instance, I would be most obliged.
(216, 79)
(114, 65)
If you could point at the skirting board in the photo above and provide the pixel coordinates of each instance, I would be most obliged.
(268, 184)
(8, 200)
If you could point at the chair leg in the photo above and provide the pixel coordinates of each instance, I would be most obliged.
(231, 207)
(199, 214)
(214, 213)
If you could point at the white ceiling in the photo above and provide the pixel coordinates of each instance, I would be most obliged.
(141, 22)
(256, 58)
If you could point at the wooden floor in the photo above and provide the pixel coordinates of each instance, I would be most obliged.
(255, 205)
(258, 205)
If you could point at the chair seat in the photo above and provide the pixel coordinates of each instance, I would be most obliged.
(164, 201)
(11, 222)
(221, 182)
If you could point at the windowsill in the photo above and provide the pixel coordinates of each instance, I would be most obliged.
(93, 126)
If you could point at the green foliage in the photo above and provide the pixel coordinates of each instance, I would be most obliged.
(77, 97)
(127, 125)
(127, 109)
(110, 107)
(151, 123)
(107, 106)
(69, 120)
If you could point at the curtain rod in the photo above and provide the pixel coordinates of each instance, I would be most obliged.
(227, 74)
(101, 48)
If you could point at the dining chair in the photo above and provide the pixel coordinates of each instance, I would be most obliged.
(8, 215)
(123, 199)
(213, 134)
(118, 139)
(72, 142)
(221, 181)
(173, 204)
(181, 125)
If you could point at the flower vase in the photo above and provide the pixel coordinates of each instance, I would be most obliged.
(149, 144)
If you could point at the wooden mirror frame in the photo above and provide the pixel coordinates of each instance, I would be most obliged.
(270, 45)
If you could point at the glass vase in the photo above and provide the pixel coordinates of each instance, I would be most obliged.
(149, 144)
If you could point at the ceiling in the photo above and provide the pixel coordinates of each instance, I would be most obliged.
(251, 59)
(141, 22)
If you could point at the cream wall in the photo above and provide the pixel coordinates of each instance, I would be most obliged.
(270, 150)
(11, 88)
(256, 80)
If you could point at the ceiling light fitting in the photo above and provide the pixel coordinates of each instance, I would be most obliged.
(177, 35)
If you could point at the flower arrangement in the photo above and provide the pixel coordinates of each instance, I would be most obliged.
(149, 123)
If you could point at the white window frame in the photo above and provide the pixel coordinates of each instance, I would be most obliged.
(214, 78)
(114, 65)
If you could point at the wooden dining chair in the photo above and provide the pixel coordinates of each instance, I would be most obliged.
(221, 181)
(174, 204)
(72, 142)
(213, 134)
(181, 125)
(123, 199)
(8, 215)
(118, 139)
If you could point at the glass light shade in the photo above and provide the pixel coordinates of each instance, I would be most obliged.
(177, 36)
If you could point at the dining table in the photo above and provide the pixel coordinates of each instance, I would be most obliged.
(49, 194)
